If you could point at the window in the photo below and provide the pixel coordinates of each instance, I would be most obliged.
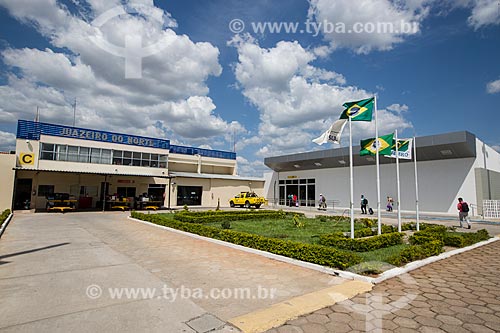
(117, 157)
(48, 152)
(105, 156)
(125, 192)
(62, 153)
(83, 155)
(44, 190)
(95, 155)
(163, 161)
(72, 154)
(101, 156)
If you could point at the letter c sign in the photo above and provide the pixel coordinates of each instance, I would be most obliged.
(27, 158)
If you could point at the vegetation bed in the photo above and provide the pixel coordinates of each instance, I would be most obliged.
(322, 240)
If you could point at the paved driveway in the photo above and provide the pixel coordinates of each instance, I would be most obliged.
(56, 271)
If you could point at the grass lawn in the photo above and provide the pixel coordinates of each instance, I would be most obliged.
(284, 228)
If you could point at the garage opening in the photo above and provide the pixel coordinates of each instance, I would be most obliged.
(189, 195)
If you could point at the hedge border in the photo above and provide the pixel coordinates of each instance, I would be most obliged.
(339, 241)
(318, 254)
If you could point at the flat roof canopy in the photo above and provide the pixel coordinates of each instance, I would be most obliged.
(434, 147)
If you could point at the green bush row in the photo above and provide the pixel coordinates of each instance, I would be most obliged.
(455, 239)
(4, 215)
(225, 212)
(317, 254)
(416, 252)
(198, 217)
(367, 232)
(339, 241)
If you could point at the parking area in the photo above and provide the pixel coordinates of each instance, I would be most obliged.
(53, 266)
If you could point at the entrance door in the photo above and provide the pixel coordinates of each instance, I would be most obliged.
(189, 195)
(22, 197)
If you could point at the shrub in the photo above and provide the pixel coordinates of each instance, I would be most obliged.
(455, 239)
(463, 239)
(4, 215)
(318, 254)
(186, 209)
(366, 221)
(225, 225)
(297, 222)
(416, 252)
(365, 232)
(338, 240)
(219, 216)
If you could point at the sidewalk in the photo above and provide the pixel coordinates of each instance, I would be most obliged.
(458, 294)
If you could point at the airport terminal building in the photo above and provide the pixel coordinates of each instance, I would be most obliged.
(450, 166)
(98, 169)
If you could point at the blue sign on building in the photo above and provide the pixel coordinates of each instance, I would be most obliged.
(32, 130)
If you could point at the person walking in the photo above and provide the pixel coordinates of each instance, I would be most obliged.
(390, 202)
(364, 204)
(322, 202)
(463, 212)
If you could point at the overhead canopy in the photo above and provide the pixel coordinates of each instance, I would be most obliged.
(434, 147)
(88, 172)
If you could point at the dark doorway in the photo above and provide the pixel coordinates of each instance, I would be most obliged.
(189, 195)
(23, 193)
(156, 191)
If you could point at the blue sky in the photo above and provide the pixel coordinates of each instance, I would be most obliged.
(275, 91)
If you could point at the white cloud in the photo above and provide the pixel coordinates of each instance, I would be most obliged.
(172, 91)
(295, 106)
(397, 20)
(493, 87)
(484, 12)
(7, 141)
(398, 108)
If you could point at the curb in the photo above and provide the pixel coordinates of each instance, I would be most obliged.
(5, 224)
(394, 272)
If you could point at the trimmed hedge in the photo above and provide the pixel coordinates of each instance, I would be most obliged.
(417, 252)
(219, 216)
(4, 215)
(454, 239)
(367, 232)
(317, 254)
(338, 240)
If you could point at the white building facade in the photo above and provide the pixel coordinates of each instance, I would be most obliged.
(449, 166)
(96, 167)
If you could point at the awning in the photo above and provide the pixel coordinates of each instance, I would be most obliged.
(94, 173)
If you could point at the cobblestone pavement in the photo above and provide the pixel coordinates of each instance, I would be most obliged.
(459, 294)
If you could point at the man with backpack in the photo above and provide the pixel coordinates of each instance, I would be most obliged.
(364, 204)
(463, 212)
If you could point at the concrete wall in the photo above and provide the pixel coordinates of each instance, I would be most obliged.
(216, 189)
(440, 184)
(7, 174)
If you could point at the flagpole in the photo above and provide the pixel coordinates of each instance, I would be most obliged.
(351, 178)
(377, 159)
(397, 180)
(416, 182)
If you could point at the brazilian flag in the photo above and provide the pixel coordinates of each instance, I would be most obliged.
(368, 146)
(358, 111)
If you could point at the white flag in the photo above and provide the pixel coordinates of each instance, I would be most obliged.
(404, 149)
(333, 133)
